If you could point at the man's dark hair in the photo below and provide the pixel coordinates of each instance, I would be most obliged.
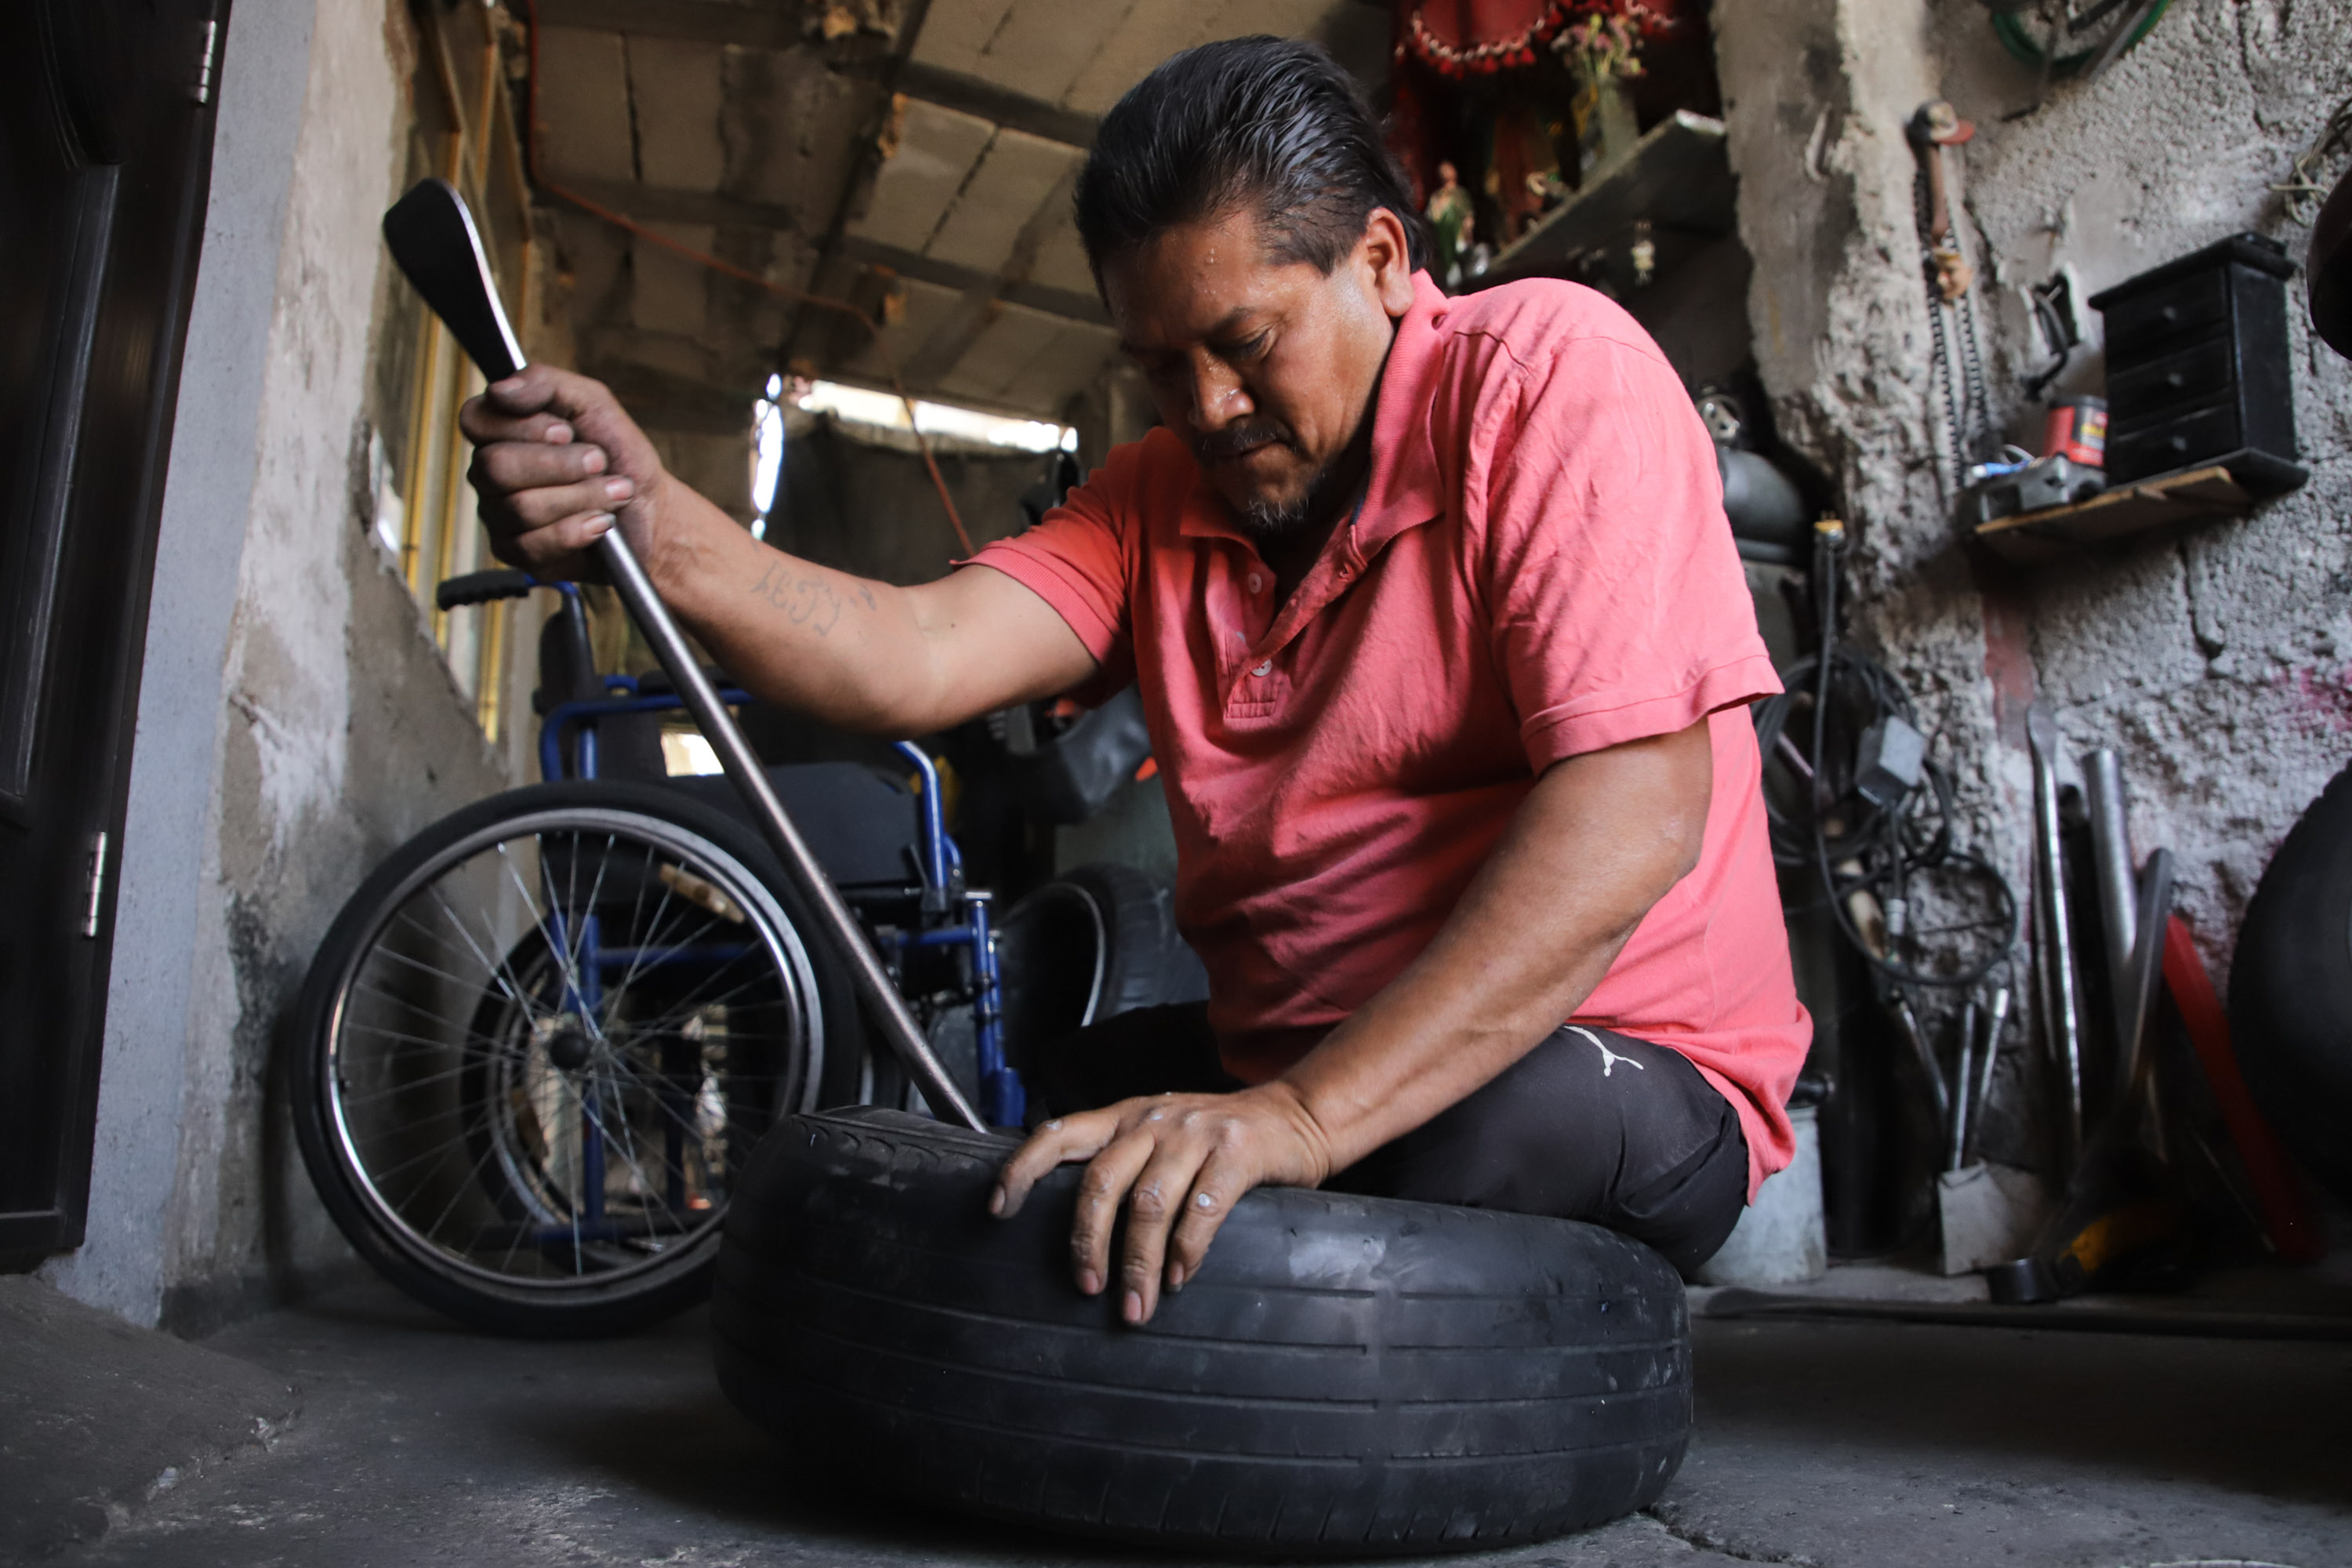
(1272, 122)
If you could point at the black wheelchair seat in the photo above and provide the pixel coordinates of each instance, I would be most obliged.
(862, 826)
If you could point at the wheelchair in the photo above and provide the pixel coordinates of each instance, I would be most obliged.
(537, 1046)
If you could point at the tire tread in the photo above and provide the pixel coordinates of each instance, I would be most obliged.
(862, 1298)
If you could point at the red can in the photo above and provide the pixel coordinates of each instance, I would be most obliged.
(2077, 431)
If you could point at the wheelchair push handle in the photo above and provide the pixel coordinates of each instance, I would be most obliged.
(434, 240)
(482, 587)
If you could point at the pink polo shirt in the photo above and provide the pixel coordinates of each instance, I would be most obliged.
(1541, 568)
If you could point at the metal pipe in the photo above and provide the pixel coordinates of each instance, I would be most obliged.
(2056, 945)
(1996, 1019)
(1963, 1080)
(1909, 1021)
(749, 777)
(934, 817)
(2137, 1002)
(2103, 793)
(564, 716)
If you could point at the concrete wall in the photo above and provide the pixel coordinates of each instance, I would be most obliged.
(2215, 661)
(296, 720)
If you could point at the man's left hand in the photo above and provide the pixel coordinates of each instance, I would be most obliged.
(1180, 1163)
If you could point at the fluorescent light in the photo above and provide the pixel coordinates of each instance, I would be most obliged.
(858, 405)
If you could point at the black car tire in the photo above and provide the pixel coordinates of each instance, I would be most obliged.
(2291, 989)
(1345, 1376)
(1097, 941)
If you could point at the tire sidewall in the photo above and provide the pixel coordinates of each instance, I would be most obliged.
(2291, 988)
(869, 1310)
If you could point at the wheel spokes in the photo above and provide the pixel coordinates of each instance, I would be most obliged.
(518, 1110)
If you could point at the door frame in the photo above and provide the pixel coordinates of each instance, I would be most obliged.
(90, 701)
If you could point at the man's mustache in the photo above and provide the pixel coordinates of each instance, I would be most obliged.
(1234, 440)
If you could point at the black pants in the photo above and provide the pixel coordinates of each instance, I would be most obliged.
(1590, 1125)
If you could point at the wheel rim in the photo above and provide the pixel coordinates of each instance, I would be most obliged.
(556, 1044)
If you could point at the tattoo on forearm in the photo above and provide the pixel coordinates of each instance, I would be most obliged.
(809, 601)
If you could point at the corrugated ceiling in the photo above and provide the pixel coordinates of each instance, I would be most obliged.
(915, 158)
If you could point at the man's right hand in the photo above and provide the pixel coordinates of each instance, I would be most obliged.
(557, 463)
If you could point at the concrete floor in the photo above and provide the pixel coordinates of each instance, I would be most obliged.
(1865, 1444)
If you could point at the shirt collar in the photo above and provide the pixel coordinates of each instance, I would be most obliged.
(1402, 490)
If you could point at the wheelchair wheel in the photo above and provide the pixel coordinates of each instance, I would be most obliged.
(539, 1044)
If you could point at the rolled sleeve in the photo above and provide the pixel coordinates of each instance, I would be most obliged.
(1567, 732)
(1618, 606)
(1079, 559)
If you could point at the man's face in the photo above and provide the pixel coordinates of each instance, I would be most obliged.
(1266, 367)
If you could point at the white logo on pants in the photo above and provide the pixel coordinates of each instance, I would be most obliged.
(1609, 1058)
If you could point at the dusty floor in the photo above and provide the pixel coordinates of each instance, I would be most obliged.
(1835, 1444)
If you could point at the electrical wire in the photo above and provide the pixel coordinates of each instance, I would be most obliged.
(2302, 187)
(1888, 847)
(2010, 30)
(728, 269)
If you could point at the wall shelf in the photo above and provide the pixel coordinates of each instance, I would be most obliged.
(1678, 177)
(2192, 497)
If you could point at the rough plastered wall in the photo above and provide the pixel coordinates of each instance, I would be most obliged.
(338, 730)
(2215, 662)
(2220, 663)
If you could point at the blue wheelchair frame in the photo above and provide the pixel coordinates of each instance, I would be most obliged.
(951, 917)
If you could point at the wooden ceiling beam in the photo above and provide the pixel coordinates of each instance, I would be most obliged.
(1014, 111)
(720, 22)
(966, 279)
(703, 21)
(662, 203)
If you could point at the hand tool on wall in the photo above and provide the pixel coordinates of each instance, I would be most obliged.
(434, 240)
(2054, 943)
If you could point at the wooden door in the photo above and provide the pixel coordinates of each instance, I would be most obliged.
(106, 117)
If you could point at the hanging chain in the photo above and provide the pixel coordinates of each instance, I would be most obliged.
(1958, 378)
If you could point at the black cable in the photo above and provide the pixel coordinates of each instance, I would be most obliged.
(1894, 844)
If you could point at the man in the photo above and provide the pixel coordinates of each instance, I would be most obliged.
(1445, 647)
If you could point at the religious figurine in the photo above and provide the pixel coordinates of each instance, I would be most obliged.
(1450, 214)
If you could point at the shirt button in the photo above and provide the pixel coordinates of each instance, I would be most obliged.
(1266, 669)
(1255, 582)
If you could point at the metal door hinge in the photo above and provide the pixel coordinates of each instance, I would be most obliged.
(96, 894)
(200, 87)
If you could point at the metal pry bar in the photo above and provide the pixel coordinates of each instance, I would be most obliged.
(432, 238)
(2053, 941)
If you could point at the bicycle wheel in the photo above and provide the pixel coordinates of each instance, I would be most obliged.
(540, 1042)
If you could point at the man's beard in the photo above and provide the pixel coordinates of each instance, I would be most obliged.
(1268, 520)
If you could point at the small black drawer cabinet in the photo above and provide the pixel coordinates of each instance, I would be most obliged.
(2198, 370)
